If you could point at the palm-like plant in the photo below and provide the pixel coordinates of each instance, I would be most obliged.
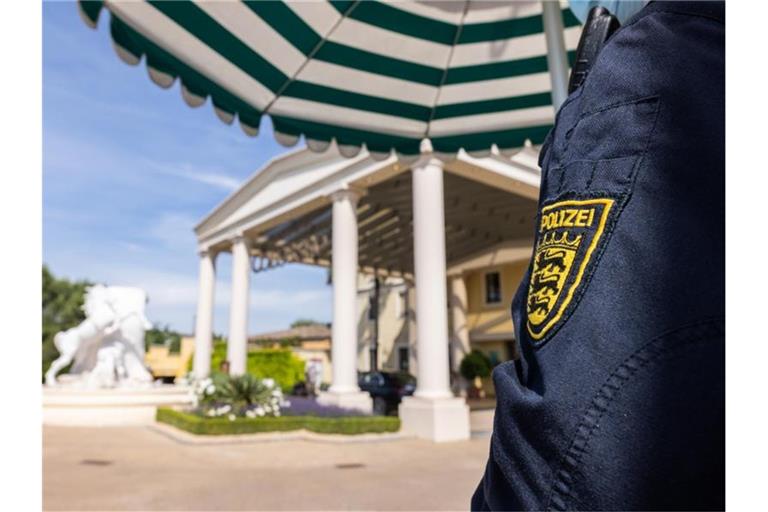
(242, 395)
(244, 391)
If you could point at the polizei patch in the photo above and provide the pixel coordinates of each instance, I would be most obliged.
(569, 232)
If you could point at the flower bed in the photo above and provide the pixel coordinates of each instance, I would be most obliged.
(238, 396)
(306, 406)
(244, 404)
(348, 425)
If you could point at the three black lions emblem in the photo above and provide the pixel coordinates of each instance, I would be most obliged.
(568, 234)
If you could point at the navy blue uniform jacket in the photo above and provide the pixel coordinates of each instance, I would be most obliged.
(618, 401)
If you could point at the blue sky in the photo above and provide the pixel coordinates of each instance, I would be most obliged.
(129, 169)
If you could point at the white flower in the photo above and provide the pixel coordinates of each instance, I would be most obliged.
(210, 389)
(260, 411)
(250, 413)
(267, 408)
(231, 417)
(270, 383)
(204, 384)
(220, 411)
(277, 413)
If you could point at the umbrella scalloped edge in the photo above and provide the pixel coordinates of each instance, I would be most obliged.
(164, 69)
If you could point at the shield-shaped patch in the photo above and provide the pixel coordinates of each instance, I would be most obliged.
(569, 233)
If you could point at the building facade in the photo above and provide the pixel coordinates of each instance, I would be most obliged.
(447, 241)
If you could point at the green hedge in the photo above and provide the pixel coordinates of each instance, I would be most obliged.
(280, 364)
(348, 425)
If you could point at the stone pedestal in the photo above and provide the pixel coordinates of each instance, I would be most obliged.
(69, 405)
(435, 419)
(358, 400)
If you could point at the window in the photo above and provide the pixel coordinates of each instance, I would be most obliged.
(492, 288)
(401, 311)
(402, 359)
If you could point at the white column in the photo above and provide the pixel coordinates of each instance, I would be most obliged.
(430, 276)
(237, 345)
(204, 319)
(460, 333)
(432, 413)
(344, 272)
(344, 390)
(557, 58)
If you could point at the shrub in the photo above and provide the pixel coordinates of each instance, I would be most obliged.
(279, 364)
(242, 395)
(475, 364)
(222, 426)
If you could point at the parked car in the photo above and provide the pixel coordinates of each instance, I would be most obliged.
(387, 389)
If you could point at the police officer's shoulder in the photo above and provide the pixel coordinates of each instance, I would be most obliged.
(707, 10)
(656, 49)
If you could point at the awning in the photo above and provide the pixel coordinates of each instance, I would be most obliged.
(466, 75)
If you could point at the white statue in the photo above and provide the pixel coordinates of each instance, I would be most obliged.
(108, 346)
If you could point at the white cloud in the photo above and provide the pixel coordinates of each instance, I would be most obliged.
(131, 247)
(177, 290)
(217, 180)
(200, 175)
(174, 230)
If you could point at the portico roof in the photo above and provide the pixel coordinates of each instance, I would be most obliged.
(285, 208)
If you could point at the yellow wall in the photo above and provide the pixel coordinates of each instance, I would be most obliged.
(164, 364)
(485, 318)
(392, 325)
(313, 351)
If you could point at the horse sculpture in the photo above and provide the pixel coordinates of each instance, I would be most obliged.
(107, 348)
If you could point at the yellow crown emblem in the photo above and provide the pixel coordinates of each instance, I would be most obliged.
(553, 240)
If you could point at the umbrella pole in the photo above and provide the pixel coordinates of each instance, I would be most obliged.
(557, 58)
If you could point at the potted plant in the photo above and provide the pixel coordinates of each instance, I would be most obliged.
(474, 367)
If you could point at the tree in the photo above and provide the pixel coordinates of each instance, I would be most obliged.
(62, 309)
(303, 322)
(163, 336)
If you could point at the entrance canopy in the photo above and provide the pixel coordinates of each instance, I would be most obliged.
(372, 216)
(366, 73)
(286, 209)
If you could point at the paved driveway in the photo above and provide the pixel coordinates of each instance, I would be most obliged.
(144, 468)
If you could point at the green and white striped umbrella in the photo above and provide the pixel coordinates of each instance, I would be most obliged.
(464, 74)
